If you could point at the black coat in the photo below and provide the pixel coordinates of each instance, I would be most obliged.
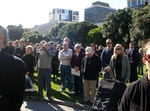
(29, 60)
(136, 96)
(135, 56)
(20, 52)
(10, 50)
(12, 82)
(91, 68)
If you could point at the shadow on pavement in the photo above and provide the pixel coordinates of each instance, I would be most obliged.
(40, 106)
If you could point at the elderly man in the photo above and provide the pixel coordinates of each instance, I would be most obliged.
(65, 56)
(89, 68)
(66, 39)
(44, 66)
(12, 77)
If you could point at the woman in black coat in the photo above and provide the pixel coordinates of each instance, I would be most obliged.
(29, 60)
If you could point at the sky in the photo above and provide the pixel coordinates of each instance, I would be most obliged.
(36, 12)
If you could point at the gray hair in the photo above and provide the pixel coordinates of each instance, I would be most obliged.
(65, 43)
(77, 45)
(29, 46)
(4, 32)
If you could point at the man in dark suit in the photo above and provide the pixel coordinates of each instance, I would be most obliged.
(12, 77)
(134, 58)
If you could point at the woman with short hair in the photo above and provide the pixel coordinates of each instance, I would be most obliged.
(76, 64)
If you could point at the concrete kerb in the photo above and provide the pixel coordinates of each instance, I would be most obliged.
(65, 103)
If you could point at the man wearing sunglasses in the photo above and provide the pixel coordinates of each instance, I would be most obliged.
(105, 58)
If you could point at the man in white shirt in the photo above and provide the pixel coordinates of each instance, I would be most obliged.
(65, 56)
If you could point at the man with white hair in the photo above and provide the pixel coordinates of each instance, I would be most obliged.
(65, 56)
(66, 39)
(12, 77)
(90, 65)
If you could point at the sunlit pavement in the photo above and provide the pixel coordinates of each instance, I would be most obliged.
(45, 106)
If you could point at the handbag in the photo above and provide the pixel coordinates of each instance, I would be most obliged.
(29, 84)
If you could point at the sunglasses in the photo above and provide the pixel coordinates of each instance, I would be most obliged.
(118, 48)
(109, 43)
(147, 57)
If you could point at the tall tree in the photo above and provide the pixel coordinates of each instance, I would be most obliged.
(117, 26)
(53, 32)
(95, 36)
(140, 30)
(76, 32)
(33, 36)
(15, 32)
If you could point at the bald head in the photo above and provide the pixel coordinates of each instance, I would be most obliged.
(66, 39)
(65, 46)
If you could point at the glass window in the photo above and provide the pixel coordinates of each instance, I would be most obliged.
(139, 2)
(129, 4)
(57, 11)
(74, 18)
(63, 11)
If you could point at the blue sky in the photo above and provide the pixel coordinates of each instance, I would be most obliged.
(36, 12)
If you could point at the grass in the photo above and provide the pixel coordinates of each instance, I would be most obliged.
(55, 85)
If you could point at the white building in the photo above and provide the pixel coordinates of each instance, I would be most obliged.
(44, 28)
(64, 15)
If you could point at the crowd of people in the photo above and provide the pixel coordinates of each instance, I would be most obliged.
(117, 63)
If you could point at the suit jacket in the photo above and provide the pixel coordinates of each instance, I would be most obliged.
(12, 82)
(19, 53)
(135, 56)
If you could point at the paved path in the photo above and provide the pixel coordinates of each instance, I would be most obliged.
(44, 106)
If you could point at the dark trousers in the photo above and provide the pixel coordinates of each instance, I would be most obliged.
(140, 68)
(55, 66)
(78, 84)
(66, 75)
(44, 75)
(133, 75)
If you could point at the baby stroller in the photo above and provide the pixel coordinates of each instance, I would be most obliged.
(108, 95)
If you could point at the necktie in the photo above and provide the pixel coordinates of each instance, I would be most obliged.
(130, 55)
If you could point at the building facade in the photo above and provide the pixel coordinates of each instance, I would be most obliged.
(63, 15)
(97, 12)
(43, 29)
(136, 4)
